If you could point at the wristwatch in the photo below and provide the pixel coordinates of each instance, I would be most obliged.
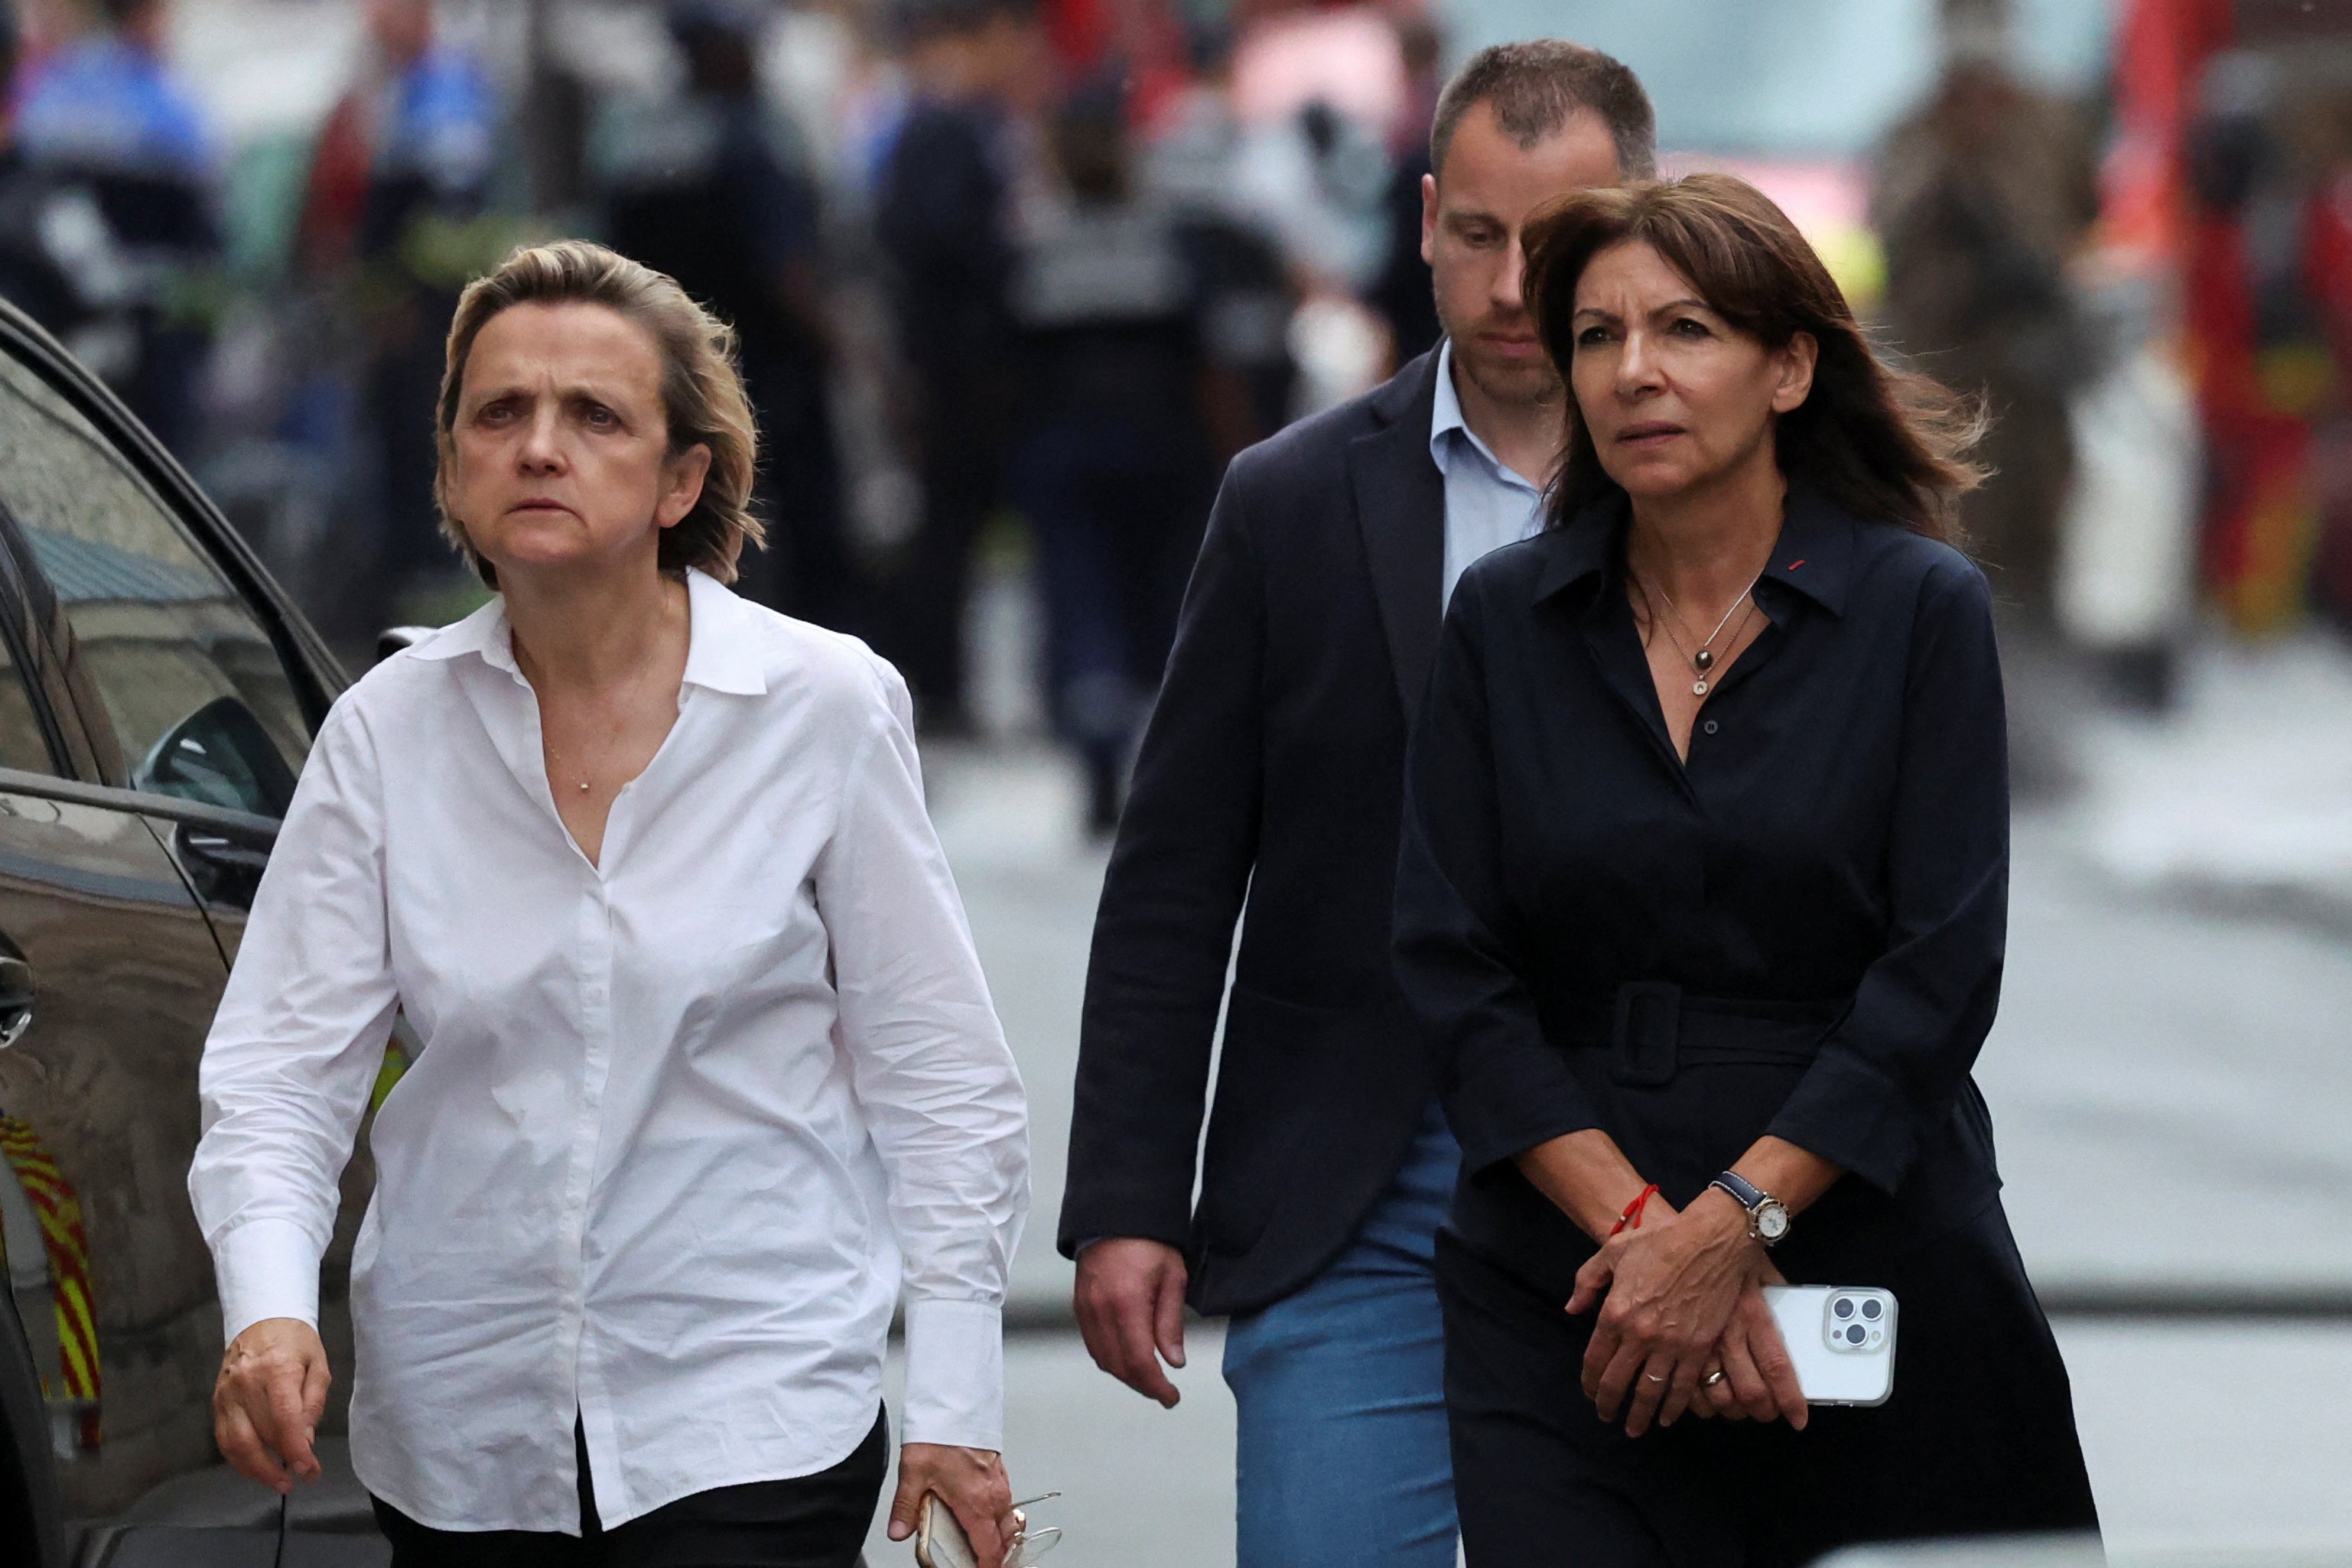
(1767, 1217)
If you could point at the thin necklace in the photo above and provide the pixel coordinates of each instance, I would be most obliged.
(1704, 659)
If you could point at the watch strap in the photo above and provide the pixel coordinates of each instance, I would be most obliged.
(1745, 1193)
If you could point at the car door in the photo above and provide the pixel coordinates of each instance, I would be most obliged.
(162, 709)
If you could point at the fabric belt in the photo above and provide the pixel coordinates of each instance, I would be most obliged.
(1651, 1028)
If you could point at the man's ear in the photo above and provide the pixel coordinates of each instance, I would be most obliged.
(1428, 214)
(1798, 358)
(685, 473)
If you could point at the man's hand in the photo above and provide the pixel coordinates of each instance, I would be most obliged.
(971, 1482)
(266, 1404)
(1130, 1305)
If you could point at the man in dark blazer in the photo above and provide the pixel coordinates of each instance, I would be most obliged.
(1273, 769)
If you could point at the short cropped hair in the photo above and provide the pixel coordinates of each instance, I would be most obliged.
(703, 400)
(1535, 85)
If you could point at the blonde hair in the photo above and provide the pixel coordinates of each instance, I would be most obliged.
(703, 401)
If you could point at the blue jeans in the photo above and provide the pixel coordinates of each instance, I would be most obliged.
(1343, 1461)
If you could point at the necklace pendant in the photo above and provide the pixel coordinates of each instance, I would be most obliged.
(1704, 659)
(584, 789)
(1698, 688)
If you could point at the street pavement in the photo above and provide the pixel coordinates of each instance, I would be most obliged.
(2169, 1081)
(2208, 1442)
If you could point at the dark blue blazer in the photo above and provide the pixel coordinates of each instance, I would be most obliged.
(1273, 771)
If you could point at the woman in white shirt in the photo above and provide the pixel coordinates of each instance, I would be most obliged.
(708, 1068)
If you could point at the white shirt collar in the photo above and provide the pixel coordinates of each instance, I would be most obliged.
(722, 652)
(1445, 419)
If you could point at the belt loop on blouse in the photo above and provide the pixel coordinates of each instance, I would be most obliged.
(1646, 1035)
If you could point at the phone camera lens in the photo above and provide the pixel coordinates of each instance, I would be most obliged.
(1871, 1309)
(1842, 1307)
(1854, 1335)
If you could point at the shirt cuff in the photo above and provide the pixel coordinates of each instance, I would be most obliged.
(955, 1373)
(267, 1268)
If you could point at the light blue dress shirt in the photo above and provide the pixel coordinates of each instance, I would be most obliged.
(1488, 505)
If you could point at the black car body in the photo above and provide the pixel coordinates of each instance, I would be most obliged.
(158, 697)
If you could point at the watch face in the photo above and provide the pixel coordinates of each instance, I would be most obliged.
(1771, 1222)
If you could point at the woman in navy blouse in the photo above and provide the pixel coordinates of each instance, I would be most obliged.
(1704, 885)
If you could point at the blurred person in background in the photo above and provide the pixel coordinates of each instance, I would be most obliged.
(1269, 789)
(1186, 158)
(1983, 194)
(107, 115)
(1319, 175)
(1121, 411)
(1401, 293)
(2266, 304)
(708, 187)
(37, 271)
(2326, 265)
(1320, 92)
(944, 216)
(389, 226)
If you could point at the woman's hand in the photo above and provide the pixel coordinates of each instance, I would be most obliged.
(267, 1403)
(971, 1482)
(1667, 1293)
(1760, 1380)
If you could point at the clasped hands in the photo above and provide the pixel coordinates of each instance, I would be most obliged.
(1680, 1298)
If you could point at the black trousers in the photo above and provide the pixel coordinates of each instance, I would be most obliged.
(810, 1522)
(1978, 1438)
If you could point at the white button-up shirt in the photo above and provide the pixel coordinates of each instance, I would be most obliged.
(677, 1118)
(1488, 505)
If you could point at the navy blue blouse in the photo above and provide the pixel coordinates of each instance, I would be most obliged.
(1797, 931)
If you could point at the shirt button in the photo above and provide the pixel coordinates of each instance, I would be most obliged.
(1709, 726)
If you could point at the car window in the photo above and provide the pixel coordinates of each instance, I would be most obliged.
(200, 705)
(22, 744)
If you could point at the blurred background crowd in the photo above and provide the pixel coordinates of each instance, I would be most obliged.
(1012, 278)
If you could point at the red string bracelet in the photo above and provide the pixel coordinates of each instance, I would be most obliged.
(1632, 1219)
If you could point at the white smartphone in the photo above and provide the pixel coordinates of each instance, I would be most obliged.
(1842, 1338)
(939, 1541)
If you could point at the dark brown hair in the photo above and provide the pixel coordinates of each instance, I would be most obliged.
(1887, 445)
(1535, 85)
(703, 401)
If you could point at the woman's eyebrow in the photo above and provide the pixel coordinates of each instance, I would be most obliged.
(570, 392)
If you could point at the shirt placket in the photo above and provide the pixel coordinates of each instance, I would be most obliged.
(592, 946)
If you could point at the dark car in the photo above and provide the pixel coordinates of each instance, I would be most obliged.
(158, 697)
